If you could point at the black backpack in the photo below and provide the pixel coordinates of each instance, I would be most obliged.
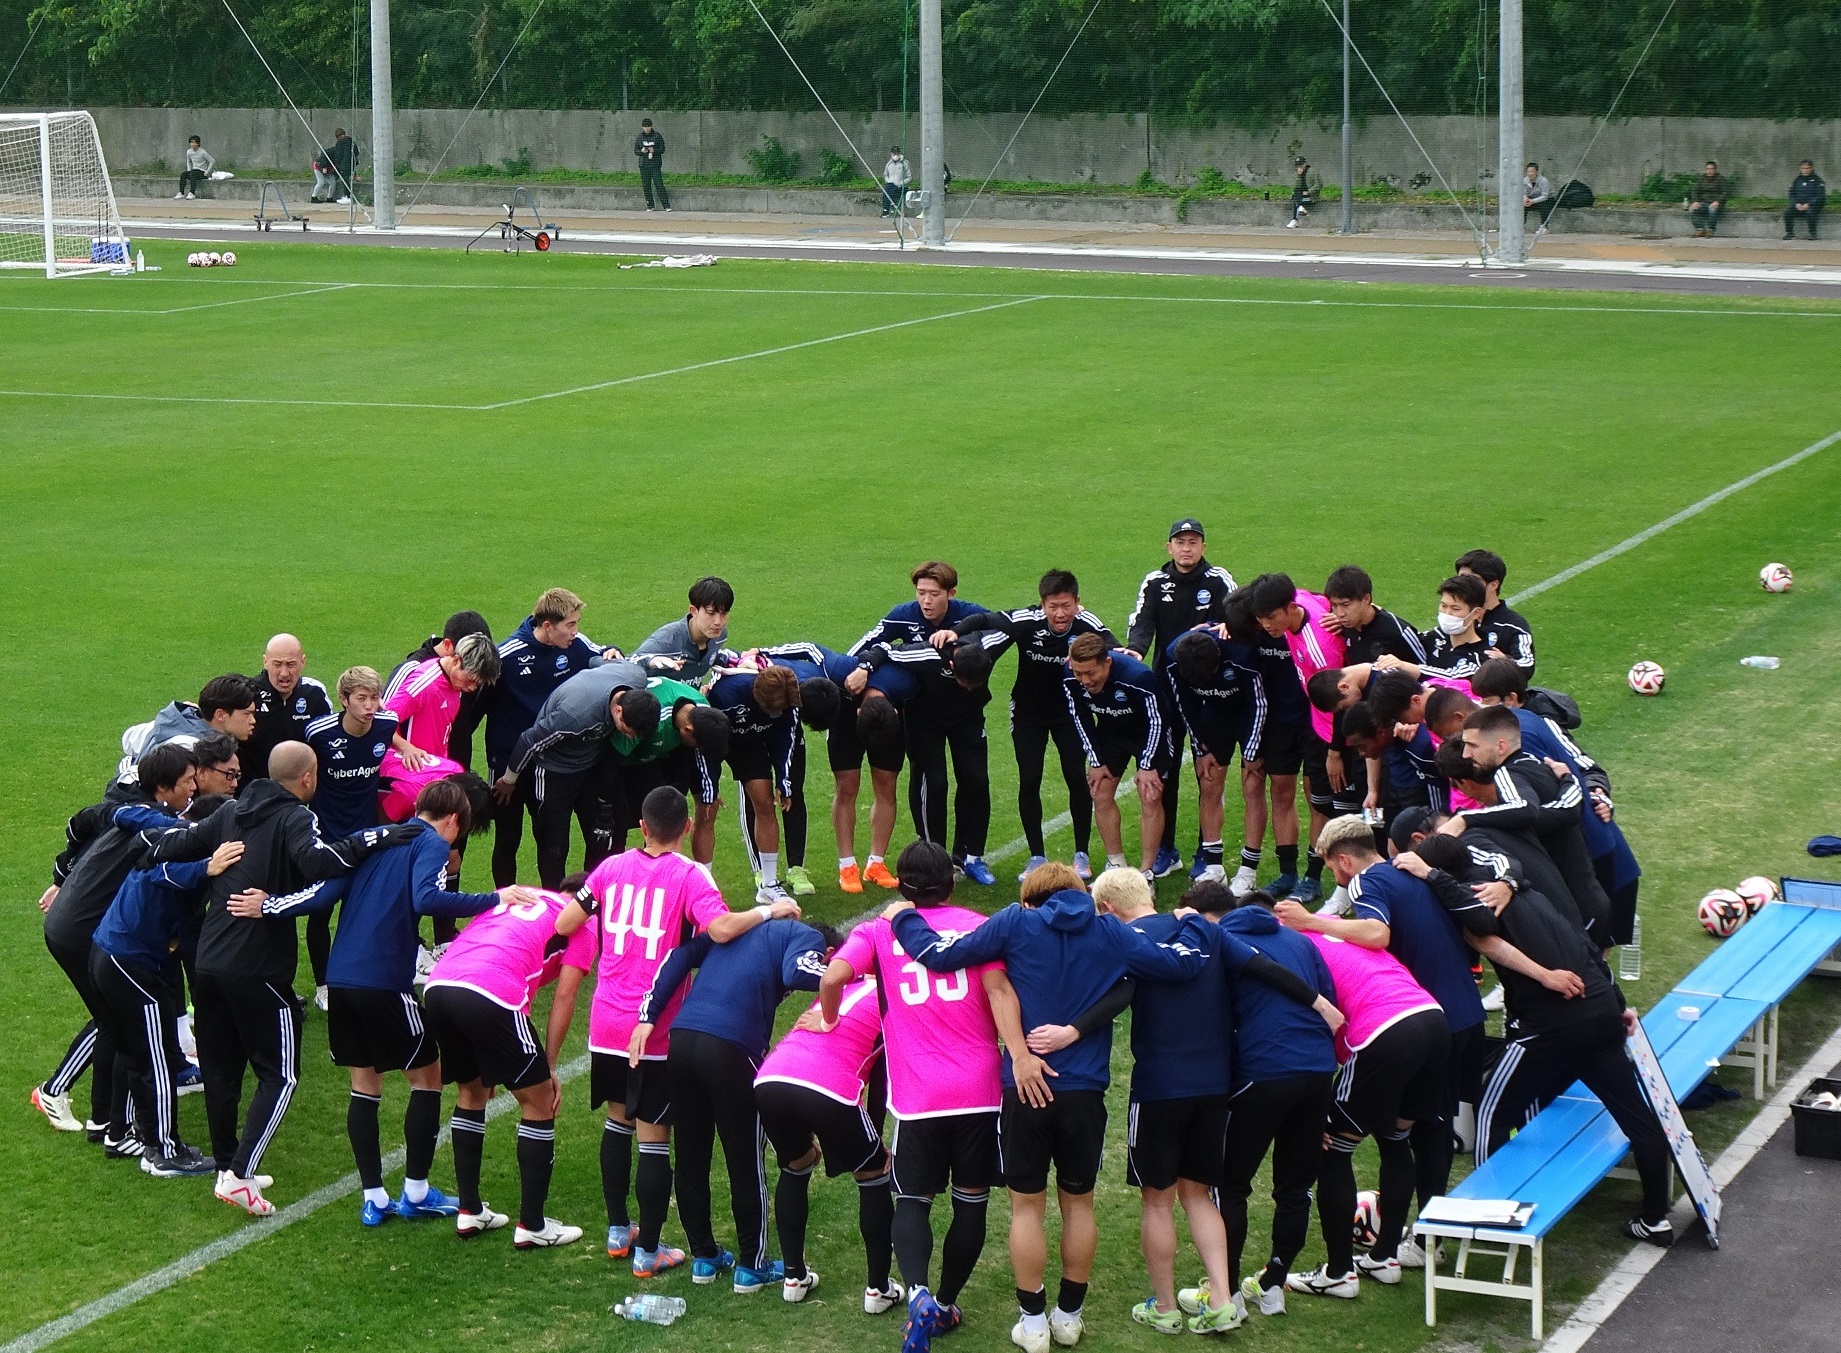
(1575, 194)
(1555, 705)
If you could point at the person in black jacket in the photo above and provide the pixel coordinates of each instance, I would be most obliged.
(287, 701)
(1708, 200)
(1808, 195)
(333, 168)
(649, 146)
(168, 775)
(247, 1015)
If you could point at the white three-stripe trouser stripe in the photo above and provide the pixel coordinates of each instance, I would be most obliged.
(1512, 1054)
(285, 1020)
(165, 1093)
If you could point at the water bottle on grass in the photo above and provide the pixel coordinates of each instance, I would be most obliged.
(1767, 664)
(650, 1308)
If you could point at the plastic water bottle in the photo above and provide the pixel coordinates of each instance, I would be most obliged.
(140, 260)
(1630, 956)
(651, 1308)
(1767, 664)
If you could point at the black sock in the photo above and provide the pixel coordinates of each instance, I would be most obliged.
(791, 1205)
(964, 1243)
(617, 1170)
(1396, 1192)
(468, 1128)
(1336, 1205)
(1211, 853)
(875, 1219)
(1033, 1303)
(1313, 866)
(536, 1159)
(911, 1233)
(1249, 856)
(653, 1190)
(361, 1127)
(421, 1125)
(1433, 1149)
(1072, 1296)
(1288, 860)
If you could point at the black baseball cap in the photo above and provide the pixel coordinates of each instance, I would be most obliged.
(1409, 824)
(1185, 526)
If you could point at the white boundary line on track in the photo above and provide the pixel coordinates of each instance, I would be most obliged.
(312, 289)
(1621, 1281)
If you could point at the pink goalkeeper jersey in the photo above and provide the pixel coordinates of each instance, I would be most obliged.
(1313, 649)
(938, 1035)
(837, 1064)
(1374, 991)
(650, 904)
(425, 705)
(501, 952)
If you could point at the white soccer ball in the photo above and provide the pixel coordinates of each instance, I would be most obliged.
(193, 261)
(230, 260)
(1757, 892)
(1775, 578)
(1722, 911)
(1646, 678)
(214, 258)
(1367, 1219)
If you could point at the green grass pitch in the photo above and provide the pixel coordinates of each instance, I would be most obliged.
(253, 450)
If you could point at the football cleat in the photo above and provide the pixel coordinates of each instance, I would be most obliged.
(243, 1193)
(978, 871)
(1064, 1328)
(1164, 1322)
(1083, 866)
(876, 1300)
(434, 1203)
(1339, 903)
(1307, 892)
(1265, 1300)
(126, 1147)
(1495, 998)
(795, 1289)
(1281, 887)
(923, 1319)
(1030, 1341)
(321, 999)
(948, 1320)
(705, 1271)
(470, 1224)
(1411, 1254)
(1167, 862)
(190, 1080)
(56, 1109)
(1035, 861)
(1245, 880)
(1217, 1319)
(878, 874)
(1191, 1300)
(850, 879)
(1662, 1234)
(651, 1263)
(1214, 873)
(750, 1280)
(769, 893)
(1381, 1270)
(371, 1214)
(95, 1131)
(185, 1160)
(549, 1236)
(1320, 1282)
(799, 881)
(1198, 866)
(620, 1240)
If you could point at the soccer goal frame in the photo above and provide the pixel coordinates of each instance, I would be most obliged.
(57, 206)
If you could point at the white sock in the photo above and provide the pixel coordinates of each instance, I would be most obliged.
(972, 859)
(381, 1197)
(770, 866)
(415, 1190)
(846, 862)
(875, 860)
(1116, 862)
(1035, 1324)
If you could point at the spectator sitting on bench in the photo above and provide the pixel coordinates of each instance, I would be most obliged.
(1808, 195)
(1537, 195)
(1708, 200)
(1555, 1038)
(198, 166)
(332, 169)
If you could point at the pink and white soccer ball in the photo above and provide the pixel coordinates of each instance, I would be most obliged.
(1646, 678)
(1722, 911)
(213, 258)
(1367, 1219)
(1775, 578)
(194, 260)
(1757, 892)
(230, 260)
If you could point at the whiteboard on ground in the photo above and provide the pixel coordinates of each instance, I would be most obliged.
(1694, 1172)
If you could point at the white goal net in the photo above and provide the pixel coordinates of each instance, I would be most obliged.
(57, 207)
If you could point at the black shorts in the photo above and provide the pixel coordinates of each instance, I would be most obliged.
(1399, 1074)
(1221, 736)
(642, 1092)
(750, 759)
(380, 1029)
(1172, 1139)
(1282, 746)
(960, 1148)
(483, 1041)
(679, 768)
(1069, 1133)
(845, 750)
(1354, 791)
(793, 1115)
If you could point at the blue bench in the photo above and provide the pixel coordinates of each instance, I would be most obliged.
(1571, 1145)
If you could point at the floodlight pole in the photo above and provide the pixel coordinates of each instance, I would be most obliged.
(933, 129)
(383, 121)
(1510, 246)
(1348, 135)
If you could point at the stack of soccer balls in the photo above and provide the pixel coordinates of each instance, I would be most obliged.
(211, 260)
(1724, 910)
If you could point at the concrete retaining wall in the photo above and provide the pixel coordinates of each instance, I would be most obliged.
(1761, 155)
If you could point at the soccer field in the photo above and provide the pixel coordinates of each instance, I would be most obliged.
(351, 443)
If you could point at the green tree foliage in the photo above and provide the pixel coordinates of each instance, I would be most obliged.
(1251, 62)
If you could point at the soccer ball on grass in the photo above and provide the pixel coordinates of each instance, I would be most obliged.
(1367, 1219)
(1757, 892)
(1775, 578)
(1646, 678)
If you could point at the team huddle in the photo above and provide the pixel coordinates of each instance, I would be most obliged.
(945, 1051)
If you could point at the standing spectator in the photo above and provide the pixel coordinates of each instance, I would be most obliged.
(1301, 196)
(332, 169)
(1808, 195)
(895, 178)
(198, 167)
(649, 146)
(1537, 195)
(1708, 200)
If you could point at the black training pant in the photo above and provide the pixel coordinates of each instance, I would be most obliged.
(1539, 1066)
(712, 1095)
(1791, 216)
(928, 744)
(508, 828)
(136, 1002)
(793, 821)
(245, 1024)
(582, 794)
(652, 179)
(1172, 783)
(1030, 736)
(108, 1102)
(1287, 1117)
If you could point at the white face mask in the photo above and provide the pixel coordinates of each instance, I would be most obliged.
(1452, 624)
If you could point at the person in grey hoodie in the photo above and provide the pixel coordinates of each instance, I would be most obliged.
(198, 167)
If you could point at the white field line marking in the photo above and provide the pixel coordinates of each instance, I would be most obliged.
(313, 289)
(527, 399)
(243, 1237)
(1621, 1281)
